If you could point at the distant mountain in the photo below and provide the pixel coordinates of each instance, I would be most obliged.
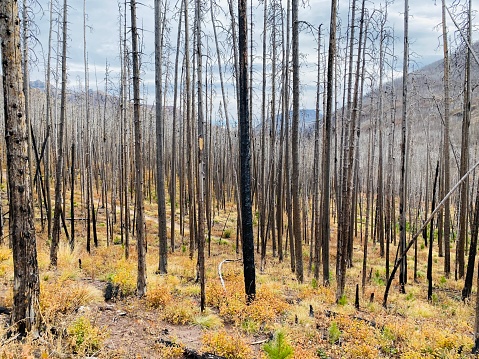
(37, 84)
(426, 92)
(307, 118)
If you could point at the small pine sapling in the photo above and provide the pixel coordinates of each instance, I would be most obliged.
(278, 348)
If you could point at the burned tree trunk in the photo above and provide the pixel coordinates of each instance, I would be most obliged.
(140, 220)
(26, 287)
(245, 178)
(59, 166)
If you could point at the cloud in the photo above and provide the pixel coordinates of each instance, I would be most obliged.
(103, 37)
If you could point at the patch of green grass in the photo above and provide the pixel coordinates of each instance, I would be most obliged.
(378, 278)
(210, 321)
(342, 300)
(84, 337)
(334, 333)
(250, 326)
(320, 353)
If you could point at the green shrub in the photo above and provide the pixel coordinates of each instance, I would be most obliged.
(84, 337)
(334, 333)
(278, 348)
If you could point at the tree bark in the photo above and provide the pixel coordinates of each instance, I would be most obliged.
(140, 217)
(160, 146)
(61, 130)
(461, 240)
(245, 178)
(173, 139)
(201, 158)
(326, 157)
(317, 129)
(431, 238)
(49, 126)
(26, 286)
(467, 290)
(403, 179)
(295, 192)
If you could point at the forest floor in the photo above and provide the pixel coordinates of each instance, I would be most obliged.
(79, 323)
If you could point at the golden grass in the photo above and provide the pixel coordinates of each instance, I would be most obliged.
(411, 327)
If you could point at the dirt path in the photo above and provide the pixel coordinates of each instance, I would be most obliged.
(134, 330)
(135, 333)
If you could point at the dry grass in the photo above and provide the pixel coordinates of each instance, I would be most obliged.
(411, 327)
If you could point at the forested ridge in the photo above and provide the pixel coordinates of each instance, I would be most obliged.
(222, 216)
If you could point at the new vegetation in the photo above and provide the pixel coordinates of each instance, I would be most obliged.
(219, 217)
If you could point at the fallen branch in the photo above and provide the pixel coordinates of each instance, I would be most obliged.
(9, 340)
(270, 337)
(419, 232)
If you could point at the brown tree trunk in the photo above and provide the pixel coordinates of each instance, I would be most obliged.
(447, 175)
(140, 217)
(201, 158)
(295, 193)
(173, 139)
(59, 166)
(461, 240)
(160, 146)
(316, 211)
(26, 287)
(403, 180)
(326, 157)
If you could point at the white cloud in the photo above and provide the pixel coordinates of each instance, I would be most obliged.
(102, 39)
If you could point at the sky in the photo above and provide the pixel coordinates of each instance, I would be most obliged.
(103, 29)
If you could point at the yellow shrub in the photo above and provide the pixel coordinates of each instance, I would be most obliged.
(267, 305)
(231, 309)
(65, 296)
(159, 296)
(208, 321)
(412, 355)
(5, 253)
(84, 337)
(125, 276)
(229, 346)
(215, 294)
(170, 352)
(180, 313)
(361, 350)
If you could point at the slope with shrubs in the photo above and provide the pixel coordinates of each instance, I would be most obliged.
(287, 319)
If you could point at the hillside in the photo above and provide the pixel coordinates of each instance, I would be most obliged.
(167, 323)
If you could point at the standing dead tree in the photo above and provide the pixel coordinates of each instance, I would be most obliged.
(61, 130)
(245, 180)
(140, 216)
(160, 144)
(26, 287)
